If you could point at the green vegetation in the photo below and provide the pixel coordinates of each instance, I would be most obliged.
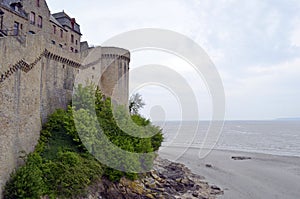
(61, 166)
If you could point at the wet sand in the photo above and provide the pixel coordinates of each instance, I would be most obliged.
(262, 176)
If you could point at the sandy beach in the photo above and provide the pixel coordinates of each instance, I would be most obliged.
(262, 176)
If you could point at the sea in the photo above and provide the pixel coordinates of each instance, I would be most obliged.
(276, 137)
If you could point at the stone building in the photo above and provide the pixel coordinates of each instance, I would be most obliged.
(41, 57)
(19, 18)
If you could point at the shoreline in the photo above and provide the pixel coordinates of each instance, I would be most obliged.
(237, 151)
(261, 176)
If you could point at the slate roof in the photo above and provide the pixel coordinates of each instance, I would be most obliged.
(55, 21)
(65, 20)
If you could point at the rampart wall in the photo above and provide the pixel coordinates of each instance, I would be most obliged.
(36, 78)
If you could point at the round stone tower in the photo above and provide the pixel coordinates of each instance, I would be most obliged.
(114, 81)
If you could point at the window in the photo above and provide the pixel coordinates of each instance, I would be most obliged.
(72, 49)
(76, 51)
(53, 42)
(16, 8)
(1, 22)
(21, 26)
(61, 33)
(72, 38)
(60, 45)
(16, 28)
(40, 22)
(76, 42)
(38, 3)
(72, 23)
(32, 18)
(54, 29)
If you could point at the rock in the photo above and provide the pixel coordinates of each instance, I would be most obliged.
(240, 158)
(195, 194)
(150, 196)
(208, 165)
(215, 187)
(154, 175)
(162, 190)
(169, 181)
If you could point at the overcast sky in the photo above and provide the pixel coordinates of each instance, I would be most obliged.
(254, 44)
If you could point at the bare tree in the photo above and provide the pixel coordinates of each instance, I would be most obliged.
(136, 103)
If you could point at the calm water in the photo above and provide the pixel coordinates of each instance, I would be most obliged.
(271, 137)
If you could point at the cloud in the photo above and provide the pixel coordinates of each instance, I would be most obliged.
(268, 91)
(295, 35)
(254, 44)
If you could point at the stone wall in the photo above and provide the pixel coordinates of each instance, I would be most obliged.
(20, 120)
(115, 66)
(36, 78)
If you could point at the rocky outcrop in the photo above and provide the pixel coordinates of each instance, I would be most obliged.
(169, 181)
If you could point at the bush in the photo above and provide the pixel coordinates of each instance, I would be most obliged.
(58, 167)
(61, 165)
(70, 174)
(26, 182)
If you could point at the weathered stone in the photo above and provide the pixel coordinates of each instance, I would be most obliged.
(150, 196)
(195, 194)
(37, 77)
(215, 187)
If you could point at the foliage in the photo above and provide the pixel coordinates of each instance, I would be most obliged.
(58, 167)
(27, 182)
(136, 103)
(61, 165)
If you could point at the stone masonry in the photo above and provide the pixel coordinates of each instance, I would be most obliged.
(38, 69)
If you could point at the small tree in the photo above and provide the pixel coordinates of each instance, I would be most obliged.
(136, 103)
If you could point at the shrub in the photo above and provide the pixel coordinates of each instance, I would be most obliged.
(26, 182)
(61, 165)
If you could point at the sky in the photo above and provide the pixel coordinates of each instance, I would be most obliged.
(255, 46)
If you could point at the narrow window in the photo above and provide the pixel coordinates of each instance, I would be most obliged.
(40, 22)
(32, 18)
(54, 29)
(16, 28)
(73, 23)
(1, 22)
(72, 39)
(38, 3)
(61, 33)
(76, 42)
(72, 49)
